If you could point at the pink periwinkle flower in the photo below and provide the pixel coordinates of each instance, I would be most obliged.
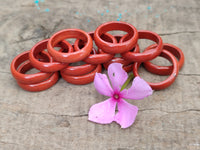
(104, 112)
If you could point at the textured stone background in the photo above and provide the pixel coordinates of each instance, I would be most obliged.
(56, 119)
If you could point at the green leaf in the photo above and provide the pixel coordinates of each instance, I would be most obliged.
(130, 77)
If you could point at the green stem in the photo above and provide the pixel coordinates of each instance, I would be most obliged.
(130, 77)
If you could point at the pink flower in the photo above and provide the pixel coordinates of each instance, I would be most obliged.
(104, 112)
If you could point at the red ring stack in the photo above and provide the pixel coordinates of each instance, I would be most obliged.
(53, 62)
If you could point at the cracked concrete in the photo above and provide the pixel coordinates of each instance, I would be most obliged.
(56, 119)
(180, 32)
(189, 74)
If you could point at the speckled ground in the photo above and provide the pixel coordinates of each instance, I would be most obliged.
(56, 119)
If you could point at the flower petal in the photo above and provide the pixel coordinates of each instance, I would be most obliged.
(117, 75)
(103, 112)
(139, 90)
(102, 84)
(126, 114)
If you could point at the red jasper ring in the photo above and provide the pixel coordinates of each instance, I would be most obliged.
(97, 58)
(83, 79)
(146, 55)
(48, 66)
(28, 78)
(166, 83)
(37, 86)
(114, 48)
(165, 70)
(70, 57)
(127, 65)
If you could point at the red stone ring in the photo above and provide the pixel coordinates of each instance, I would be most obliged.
(43, 85)
(114, 48)
(70, 57)
(82, 79)
(48, 66)
(165, 70)
(146, 55)
(28, 78)
(166, 83)
(97, 58)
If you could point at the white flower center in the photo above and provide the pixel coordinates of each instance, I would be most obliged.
(116, 96)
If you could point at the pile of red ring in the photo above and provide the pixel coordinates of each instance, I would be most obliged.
(54, 61)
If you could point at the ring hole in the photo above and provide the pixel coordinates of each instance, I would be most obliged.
(117, 32)
(27, 68)
(118, 56)
(71, 40)
(94, 47)
(150, 77)
(63, 49)
(118, 37)
(57, 48)
(160, 61)
(78, 63)
(45, 50)
(144, 43)
(32, 71)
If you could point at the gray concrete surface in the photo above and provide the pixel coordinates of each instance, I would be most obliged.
(56, 119)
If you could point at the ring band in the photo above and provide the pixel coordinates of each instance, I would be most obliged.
(48, 66)
(166, 83)
(83, 79)
(78, 70)
(70, 57)
(114, 48)
(146, 55)
(27, 78)
(165, 70)
(37, 86)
